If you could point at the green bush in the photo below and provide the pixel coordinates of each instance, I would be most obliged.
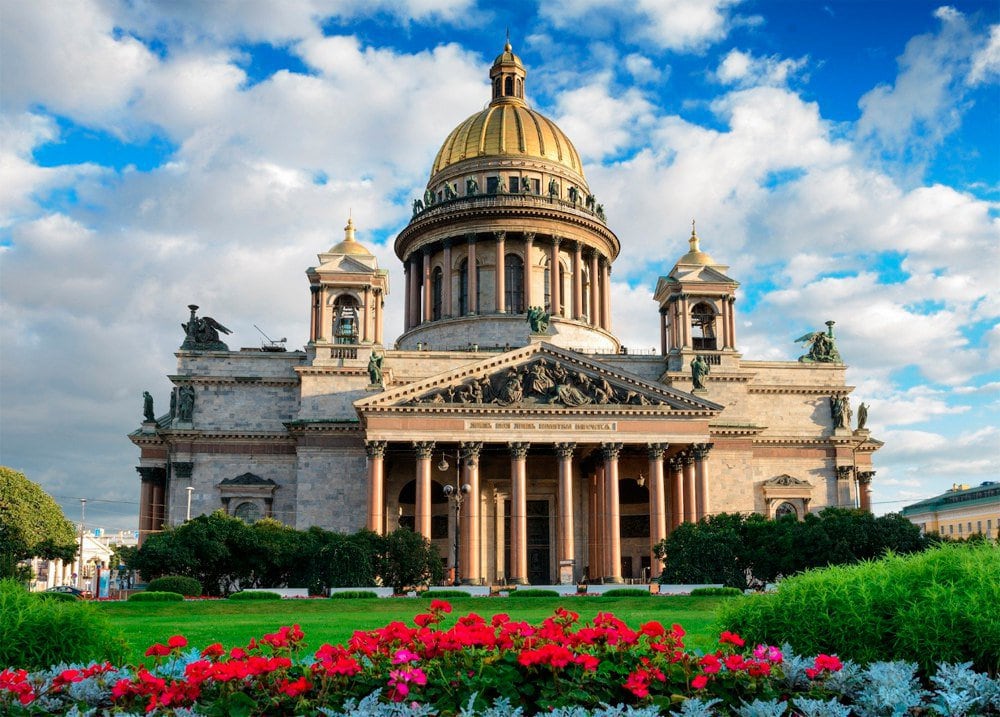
(942, 605)
(255, 595)
(149, 596)
(435, 594)
(529, 593)
(716, 592)
(626, 592)
(36, 634)
(175, 584)
(354, 595)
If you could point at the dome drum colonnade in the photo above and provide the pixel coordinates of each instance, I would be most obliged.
(678, 492)
(535, 237)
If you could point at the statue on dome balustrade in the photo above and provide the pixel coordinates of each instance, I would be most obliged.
(471, 187)
(574, 194)
(553, 188)
(600, 212)
(418, 206)
(525, 185)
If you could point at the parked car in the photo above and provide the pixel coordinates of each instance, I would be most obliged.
(69, 589)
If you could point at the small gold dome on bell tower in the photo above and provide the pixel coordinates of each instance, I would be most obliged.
(508, 75)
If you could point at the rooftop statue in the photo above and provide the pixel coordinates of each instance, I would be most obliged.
(418, 206)
(699, 370)
(822, 346)
(375, 369)
(538, 318)
(147, 407)
(862, 416)
(185, 404)
(553, 188)
(202, 334)
(471, 187)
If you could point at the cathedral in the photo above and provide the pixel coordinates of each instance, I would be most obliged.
(507, 423)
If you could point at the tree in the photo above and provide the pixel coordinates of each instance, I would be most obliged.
(32, 524)
(409, 559)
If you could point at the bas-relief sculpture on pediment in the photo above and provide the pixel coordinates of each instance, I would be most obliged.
(540, 382)
(787, 480)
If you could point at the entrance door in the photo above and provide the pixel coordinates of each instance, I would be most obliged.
(539, 550)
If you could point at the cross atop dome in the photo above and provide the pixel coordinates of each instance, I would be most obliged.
(508, 75)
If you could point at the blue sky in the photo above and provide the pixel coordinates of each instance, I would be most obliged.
(842, 157)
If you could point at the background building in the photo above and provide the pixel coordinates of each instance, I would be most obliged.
(960, 512)
(578, 454)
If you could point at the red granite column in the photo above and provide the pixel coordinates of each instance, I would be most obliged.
(518, 570)
(676, 492)
(422, 511)
(612, 528)
(554, 287)
(578, 281)
(595, 292)
(529, 242)
(657, 507)
(376, 486)
(446, 280)
(701, 451)
(428, 312)
(567, 548)
(501, 279)
(472, 285)
(687, 461)
(471, 519)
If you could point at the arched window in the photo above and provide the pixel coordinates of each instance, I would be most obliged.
(508, 87)
(247, 512)
(513, 302)
(784, 509)
(703, 327)
(463, 288)
(520, 88)
(345, 320)
(437, 286)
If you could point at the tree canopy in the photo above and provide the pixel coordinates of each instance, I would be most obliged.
(31, 524)
(750, 550)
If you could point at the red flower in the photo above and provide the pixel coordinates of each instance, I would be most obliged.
(440, 605)
(710, 664)
(157, 650)
(699, 682)
(732, 638)
(294, 689)
(423, 620)
(177, 641)
(824, 663)
(734, 662)
(213, 650)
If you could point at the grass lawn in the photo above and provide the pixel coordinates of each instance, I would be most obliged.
(333, 621)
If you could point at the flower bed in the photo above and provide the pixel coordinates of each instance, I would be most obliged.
(500, 667)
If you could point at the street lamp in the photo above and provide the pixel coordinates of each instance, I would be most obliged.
(456, 496)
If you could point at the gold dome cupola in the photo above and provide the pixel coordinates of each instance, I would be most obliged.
(507, 75)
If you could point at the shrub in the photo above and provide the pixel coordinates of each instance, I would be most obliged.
(175, 584)
(156, 597)
(529, 593)
(626, 593)
(38, 633)
(354, 595)
(716, 592)
(444, 594)
(255, 595)
(939, 606)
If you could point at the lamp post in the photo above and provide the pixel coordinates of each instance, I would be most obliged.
(189, 489)
(456, 496)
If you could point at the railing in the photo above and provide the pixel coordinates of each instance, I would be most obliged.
(343, 352)
(479, 201)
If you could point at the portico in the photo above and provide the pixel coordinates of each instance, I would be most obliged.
(537, 500)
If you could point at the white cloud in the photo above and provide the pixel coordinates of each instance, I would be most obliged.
(642, 69)
(744, 70)
(986, 61)
(599, 123)
(670, 24)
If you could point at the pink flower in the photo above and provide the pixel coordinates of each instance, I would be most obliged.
(768, 652)
(403, 656)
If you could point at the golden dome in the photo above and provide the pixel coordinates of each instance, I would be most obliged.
(695, 255)
(350, 245)
(508, 128)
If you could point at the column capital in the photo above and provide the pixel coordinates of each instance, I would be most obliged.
(151, 474)
(676, 463)
(470, 451)
(182, 469)
(446, 243)
(500, 236)
(686, 458)
(655, 451)
(701, 450)
(865, 477)
(519, 451)
(556, 240)
(376, 449)
(611, 451)
(471, 238)
(529, 237)
(423, 449)
(565, 450)
(315, 288)
(845, 472)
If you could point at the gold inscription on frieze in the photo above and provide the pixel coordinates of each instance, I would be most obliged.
(538, 426)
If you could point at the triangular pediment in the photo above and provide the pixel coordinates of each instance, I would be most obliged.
(343, 264)
(702, 274)
(542, 377)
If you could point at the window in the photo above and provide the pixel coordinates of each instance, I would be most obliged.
(513, 302)
(508, 86)
(437, 285)
(979, 526)
(959, 528)
(703, 326)
(491, 184)
(345, 320)
(951, 529)
(970, 526)
(463, 288)
(247, 512)
(784, 509)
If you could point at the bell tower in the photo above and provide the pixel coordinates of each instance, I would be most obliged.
(696, 309)
(347, 299)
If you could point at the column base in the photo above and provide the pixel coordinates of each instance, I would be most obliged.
(472, 581)
(517, 581)
(612, 580)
